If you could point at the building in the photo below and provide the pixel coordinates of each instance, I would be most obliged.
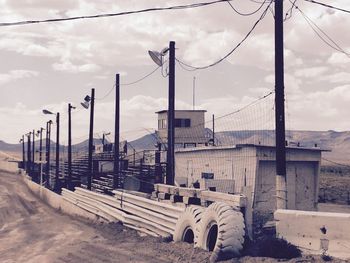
(189, 128)
(250, 170)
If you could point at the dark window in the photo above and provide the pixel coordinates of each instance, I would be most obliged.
(180, 123)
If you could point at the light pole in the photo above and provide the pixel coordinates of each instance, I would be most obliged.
(87, 101)
(57, 184)
(116, 168)
(69, 183)
(29, 154)
(40, 133)
(157, 57)
(48, 139)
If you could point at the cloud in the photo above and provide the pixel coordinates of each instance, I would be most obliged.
(14, 75)
(68, 67)
(311, 72)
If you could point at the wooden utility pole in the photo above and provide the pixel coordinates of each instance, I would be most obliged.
(281, 178)
(170, 180)
(116, 176)
(69, 183)
(29, 157)
(57, 184)
(91, 139)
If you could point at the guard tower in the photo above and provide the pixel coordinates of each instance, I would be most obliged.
(189, 128)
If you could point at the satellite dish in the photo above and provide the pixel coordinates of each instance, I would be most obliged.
(156, 57)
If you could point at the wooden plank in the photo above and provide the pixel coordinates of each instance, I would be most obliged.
(233, 199)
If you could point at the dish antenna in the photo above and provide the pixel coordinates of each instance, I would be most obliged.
(157, 57)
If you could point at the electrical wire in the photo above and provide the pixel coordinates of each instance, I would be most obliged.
(140, 79)
(328, 6)
(247, 14)
(232, 50)
(107, 94)
(178, 7)
(289, 13)
(315, 27)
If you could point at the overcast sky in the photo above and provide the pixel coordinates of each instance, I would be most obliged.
(49, 65)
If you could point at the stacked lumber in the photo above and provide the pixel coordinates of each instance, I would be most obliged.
(139, 213)
(194, 196)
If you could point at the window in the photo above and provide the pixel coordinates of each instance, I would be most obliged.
(162, 124)
(181, 123)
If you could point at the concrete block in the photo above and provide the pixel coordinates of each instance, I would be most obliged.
(315, 231)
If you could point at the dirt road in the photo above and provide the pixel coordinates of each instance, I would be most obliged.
(30, 231)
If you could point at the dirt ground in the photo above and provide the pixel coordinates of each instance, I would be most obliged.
(30, 231)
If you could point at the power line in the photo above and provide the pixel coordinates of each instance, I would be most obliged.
(329, 6)
(315, 27)
(142, 78)
(248, 14)
(232, 50)
(178, 7)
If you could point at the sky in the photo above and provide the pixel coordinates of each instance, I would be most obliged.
(47, 66)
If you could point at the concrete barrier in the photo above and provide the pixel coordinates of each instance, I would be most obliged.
(315, 232)
(58, 202)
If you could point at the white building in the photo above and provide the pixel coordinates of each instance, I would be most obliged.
(189, 127)
(250, 170)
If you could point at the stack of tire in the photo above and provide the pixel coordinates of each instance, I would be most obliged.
(218, 228)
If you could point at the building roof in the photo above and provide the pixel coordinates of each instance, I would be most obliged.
(163, 111)
(206, 148)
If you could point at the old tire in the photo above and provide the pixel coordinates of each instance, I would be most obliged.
(221, 230)
(186, 229)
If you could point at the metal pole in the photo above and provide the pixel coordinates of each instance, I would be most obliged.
(40, 154)
(48, 153)
(91, 134)
(69, 183)
(171, 117)
(33, 150)
(281, 188)
(41, 144)
(57, 151)
(23, 152)
(29, 155)
(103, 139)
(116, 182)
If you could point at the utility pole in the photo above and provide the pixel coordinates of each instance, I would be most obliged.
(41, 144)
(23, 152)
(33, 150)
(29, 164)
(69, 183)
(170, 180)
(57, 184)
(48, 144)
(281, 178)
(91, 138)
(116, 176)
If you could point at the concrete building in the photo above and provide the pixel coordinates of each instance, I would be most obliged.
(189, 127)
(250, 170)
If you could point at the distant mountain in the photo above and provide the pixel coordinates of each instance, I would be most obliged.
(337, 142)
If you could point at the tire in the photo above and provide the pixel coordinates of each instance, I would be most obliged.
(222, 231)
(186, 229)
